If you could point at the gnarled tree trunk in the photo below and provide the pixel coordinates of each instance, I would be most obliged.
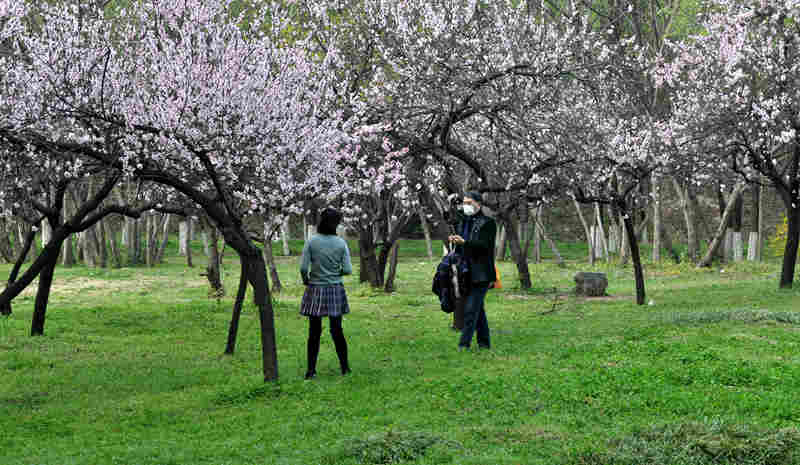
(213, 266)
(233, 328)
(790, 250)
(5, 308)
(50, 255)
(270, 261)
(519, 255)
(586, 230)
(162, 249)
(426, 230)
(657, 226)
(633, 244)
(368, 263)
(389, 287)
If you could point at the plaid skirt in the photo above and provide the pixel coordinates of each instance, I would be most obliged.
(324, 301)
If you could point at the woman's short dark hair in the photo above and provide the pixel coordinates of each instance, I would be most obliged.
(329, 220)
(474, 195)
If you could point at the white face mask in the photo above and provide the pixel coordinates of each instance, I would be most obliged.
(469, 210)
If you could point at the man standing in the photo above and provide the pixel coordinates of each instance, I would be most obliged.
(475, 241)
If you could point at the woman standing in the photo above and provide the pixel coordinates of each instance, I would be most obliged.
(326, 259)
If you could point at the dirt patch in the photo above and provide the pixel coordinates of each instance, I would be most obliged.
(605, 298)
(753, 337)
(96, 287)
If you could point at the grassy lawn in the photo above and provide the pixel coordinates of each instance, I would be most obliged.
(131, 371)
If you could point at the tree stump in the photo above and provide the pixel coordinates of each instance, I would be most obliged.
(590, 284)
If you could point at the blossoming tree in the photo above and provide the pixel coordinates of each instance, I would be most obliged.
(183, 94)
(448, 80)
(737, 98)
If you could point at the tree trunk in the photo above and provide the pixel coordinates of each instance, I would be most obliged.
(668, 245)
(131, 224)
(46, 232)
(537, 237)
(21, 235)
(752, 246)
(389, 287)
(720, 235)
(761, 229)
(5, 309)
(189, 232)
(500, 243)
(148, 236)
(383, 261)
(520, 256)
(164, 239)
(601, 231)
(257, 275)
(89, 252)
(285, 237)
(34, 251)
(657, 228)
(67, 248)
(310, 230)
(368, 271)
(111, 234)
(637, 262)
(624, 241)
(183, 236)
(690, 216)
(68, 252)
(552, 244)
(269, 259)
(206, 250)
(737, 246)
(212, 269)
(586, 230)
(426, 229)
(43, 292)
(792, 204)
(233, 328)
(790, 251)
(738, 214)
(102, 244)
(613, 235)
(6, 249)
(153, 228)
(752, 241)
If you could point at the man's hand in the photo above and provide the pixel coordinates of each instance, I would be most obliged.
(456, 239)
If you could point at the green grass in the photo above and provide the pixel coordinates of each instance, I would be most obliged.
(131, 371)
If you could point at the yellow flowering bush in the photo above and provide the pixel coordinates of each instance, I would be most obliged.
(777, 242)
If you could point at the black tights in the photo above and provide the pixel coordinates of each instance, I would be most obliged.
(314, 334)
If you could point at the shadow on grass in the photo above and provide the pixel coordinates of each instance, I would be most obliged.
(396, 447)
(699, 444)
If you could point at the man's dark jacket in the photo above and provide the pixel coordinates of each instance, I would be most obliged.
(479, 248)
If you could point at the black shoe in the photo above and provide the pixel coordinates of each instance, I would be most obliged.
(310, 375)
(346, 370)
